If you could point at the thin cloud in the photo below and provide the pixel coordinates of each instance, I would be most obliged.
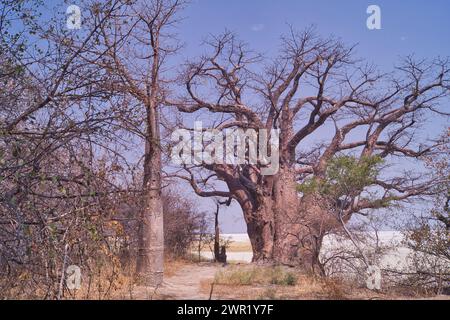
(257, 27)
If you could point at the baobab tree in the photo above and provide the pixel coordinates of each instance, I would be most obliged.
(132, 49)
(325, 103)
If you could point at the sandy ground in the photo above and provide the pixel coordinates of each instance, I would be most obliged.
(184, 283)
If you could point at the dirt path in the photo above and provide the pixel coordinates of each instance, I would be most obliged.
(185, 283)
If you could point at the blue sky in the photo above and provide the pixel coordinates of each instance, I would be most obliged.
(414, 27)
(420, 27)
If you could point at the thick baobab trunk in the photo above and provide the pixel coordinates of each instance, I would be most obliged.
(150, 261)
(284, 229)
(261, 231)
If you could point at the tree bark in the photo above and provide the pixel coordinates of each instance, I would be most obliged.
(150, 262)
(286, 229)
(261, 230)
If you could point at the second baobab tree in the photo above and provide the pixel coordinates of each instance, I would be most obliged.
(132, 49)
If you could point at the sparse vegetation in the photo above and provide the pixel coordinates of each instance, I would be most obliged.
(254, 275)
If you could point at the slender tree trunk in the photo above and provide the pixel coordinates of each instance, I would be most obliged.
(150, 262)
(216, 235)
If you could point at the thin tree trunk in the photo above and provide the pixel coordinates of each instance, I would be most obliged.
(216, 235)
(150, 262)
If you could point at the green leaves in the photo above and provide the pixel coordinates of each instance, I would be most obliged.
(345, 175)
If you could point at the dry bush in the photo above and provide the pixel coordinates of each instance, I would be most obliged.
(346, 254)
(427, 235)
(182, 224)
(427, 271)
(50, 220)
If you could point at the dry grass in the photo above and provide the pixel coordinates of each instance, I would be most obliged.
(258, 282)
(104, 284)
(172, 265)
(233, 246)
(108, 283)
(238, 275)
(240, 246)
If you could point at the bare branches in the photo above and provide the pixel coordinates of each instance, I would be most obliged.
(315, 83)
(195, 185)
(226, 70)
